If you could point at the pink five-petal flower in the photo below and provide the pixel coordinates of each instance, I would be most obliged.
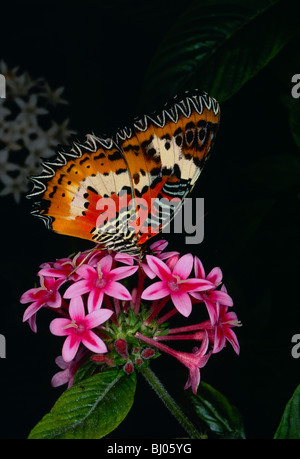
(101, 280)
(175, 283)
(65, 376)
(45, 295)
(211, 297)
(64, 267)
(124, 258)
(223, 332)
(225, 321)
(158, 247)
(78, 329)
(171, 257)
(194, 362)
(69, 369)
(214, 276)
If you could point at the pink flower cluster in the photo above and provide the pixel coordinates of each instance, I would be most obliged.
(113, 324)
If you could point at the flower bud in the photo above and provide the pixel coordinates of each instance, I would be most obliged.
(121, 348)
(138, 361)
(148, 353)
(128, 368)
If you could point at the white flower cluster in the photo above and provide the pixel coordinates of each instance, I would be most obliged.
(27, 129)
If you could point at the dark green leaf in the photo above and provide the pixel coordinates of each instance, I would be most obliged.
(90, 409)
(85, 371)
(289, 427)
(211, 46)
(216, 413)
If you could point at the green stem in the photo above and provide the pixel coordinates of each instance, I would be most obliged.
(170, 403)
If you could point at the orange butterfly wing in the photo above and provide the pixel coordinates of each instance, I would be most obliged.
(159, 156)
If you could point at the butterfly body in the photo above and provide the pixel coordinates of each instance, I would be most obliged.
(123, 190)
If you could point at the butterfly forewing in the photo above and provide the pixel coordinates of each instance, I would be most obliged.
(165, 155)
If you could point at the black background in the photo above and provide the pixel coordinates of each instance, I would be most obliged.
(100, 54)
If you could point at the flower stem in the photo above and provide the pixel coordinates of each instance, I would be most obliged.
(139, 291)
(155, 309)
(190, 336)
(170, 403)
(117, 307)
(167, 316)
(108, 305)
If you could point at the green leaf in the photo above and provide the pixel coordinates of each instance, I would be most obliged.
(289, 427)
(212, 46)
(90, 409)
(216, 413)
(85, 371)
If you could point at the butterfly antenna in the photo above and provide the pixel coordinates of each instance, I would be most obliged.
(84, 260)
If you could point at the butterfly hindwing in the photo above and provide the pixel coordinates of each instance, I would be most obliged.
(71, 188)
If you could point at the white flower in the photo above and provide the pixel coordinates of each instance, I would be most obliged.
(15, 185)
(61, 133)
(29, 109)
(38, 148)
(19, 85)
(14, 133)
(5, 165)
(10, 143)
(32, 167)
(4, 111)
(8, 73)
(53, 96)
(20, 129)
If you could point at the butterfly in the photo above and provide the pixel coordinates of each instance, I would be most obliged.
(121, 191)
